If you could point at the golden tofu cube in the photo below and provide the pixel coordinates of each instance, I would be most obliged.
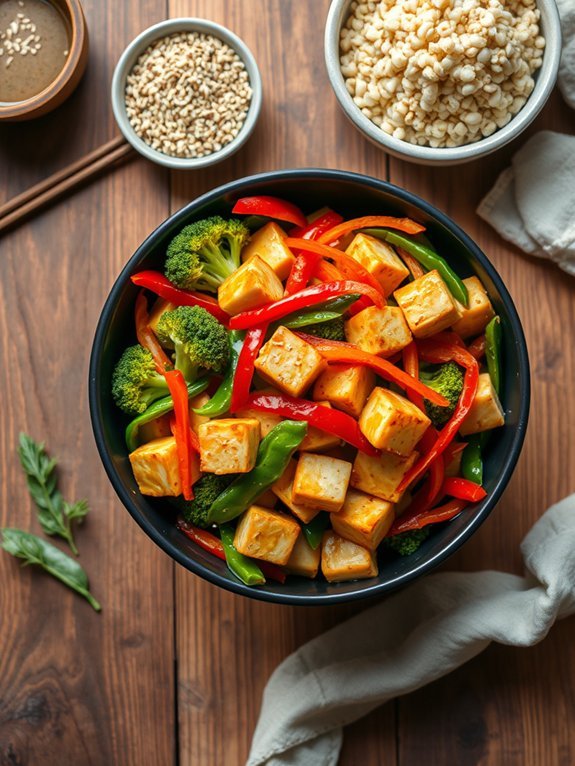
(155, 429)
(427, 304)
(288, 362)
(161, 305)
(364, 519)
(392, 423)
(156, 468)
(265, 534)
(381, 476)
(267, 420)
(346, 387)
(379, 259)
(195, 403)
(267, 499)
(252, 285)
(304, 561)
(268, 244)
(316, 439)
(379, 331)
(229, 445)
(478, 312)
(320, 481)
(343, 559)
(486, 411)
(283, 488)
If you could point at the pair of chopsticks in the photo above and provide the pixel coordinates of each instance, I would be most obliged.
(55, 186)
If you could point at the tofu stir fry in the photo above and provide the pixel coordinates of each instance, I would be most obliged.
(309, 394)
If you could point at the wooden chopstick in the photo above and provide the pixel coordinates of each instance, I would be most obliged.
(53, 187)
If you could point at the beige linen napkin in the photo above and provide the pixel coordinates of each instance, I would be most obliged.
(410, 639)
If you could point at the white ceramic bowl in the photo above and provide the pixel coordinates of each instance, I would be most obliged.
(129, 58)
(426, 155)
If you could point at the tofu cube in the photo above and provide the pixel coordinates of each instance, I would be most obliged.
(156, 468)
(283, 489)
(267, 535)
(364, 519)
(316, 439)
(267, 499)
(479, 311)
(380, 259)
(304, 561)
(252, 285)
(342, 559)
(155, 429)
(229, 445)
(486, 411)
(288, 362)
(346, 387)
(267, 420)
(392, 423)
(195, 403)
(379, 331)
(268, 244)
(321, 482)
(381, 476)
(427, 304)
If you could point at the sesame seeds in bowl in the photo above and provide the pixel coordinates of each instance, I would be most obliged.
(186, 93)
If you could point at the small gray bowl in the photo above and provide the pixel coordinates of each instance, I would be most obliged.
(131, 55)
(426, 155)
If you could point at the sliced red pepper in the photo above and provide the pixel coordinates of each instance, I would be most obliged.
(477, 347)
(348, 266)
(453, 450)
(179, 392)
(302, 271)
(316, 228)
(444, 512)
(463, 489)
(272, 571)
(270, 207)
(146, 336)
(331, 421)
(345, 353)
(161, 285)
(204, 539)
(310, 296)
(327, 272)
(368, 222)
(245, 367)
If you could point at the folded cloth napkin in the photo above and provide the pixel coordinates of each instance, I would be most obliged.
(567, 64)
(410, 639)
(533, 202)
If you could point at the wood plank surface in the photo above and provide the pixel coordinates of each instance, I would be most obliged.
(173, 669)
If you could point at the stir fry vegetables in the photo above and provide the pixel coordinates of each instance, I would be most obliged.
(309, 393)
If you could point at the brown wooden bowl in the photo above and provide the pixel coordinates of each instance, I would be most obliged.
(68, 78)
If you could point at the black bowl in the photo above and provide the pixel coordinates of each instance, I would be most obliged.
(351, 195)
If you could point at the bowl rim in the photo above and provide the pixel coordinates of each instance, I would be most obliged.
(483, 509)
(427, 155)
(78, 40)
(170, 27)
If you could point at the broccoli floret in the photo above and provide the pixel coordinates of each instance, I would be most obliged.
(199, 340)
(135, 381)
(447, 380)
(406, 543)
(204, 253)
(205, 492)
(333, 329)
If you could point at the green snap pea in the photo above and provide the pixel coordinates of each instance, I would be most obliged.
(220, 401)
(324, 312)
(273, 456)
(313, 531)
(471, 461)
(427, 257)
(244, 568)
(493, 337)
(156, 410)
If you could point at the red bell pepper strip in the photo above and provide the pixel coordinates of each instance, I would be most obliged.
(436, 354)
(272, 571)
(345, 353)
(204, 539)
(316, 228)
(270, 207)
(446, 512)
(371, 221)
(348, 266)
(327, 272)
(331, 421)
(179, 392)
(302, 271)
(146, 336)
(453, 450)
(477, 347)
(161, 285)
(245, 367)
(310, 296)
(463, 489)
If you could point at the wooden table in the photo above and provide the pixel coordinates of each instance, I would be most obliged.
(172, 670)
